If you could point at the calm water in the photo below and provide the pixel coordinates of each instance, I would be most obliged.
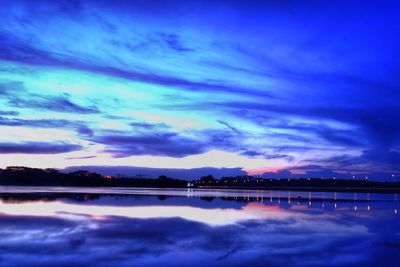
(53, 226)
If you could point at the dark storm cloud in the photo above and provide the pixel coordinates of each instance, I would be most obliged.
(38, 148)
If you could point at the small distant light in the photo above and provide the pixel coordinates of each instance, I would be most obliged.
(368, 208)
(395, 211)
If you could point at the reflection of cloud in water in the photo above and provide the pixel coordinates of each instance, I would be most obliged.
(213, 217)
(61, 234)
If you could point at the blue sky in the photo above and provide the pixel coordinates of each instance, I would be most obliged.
(285, 88)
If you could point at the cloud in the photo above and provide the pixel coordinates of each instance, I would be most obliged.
(17, 96)
(148, 126)
(372, 128)
(38, 148)
(78, 126)
(83, 157)
(16, 49)
(159, 140)
(252, 153)
(53, 103)
(159, 144)
(174, 42)
(8, 113)
(234, 129)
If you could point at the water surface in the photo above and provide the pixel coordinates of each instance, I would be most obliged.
(52, 226)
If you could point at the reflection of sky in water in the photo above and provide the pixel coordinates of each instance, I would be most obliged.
(257, 228)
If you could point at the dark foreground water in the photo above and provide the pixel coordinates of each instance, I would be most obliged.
(147, 227)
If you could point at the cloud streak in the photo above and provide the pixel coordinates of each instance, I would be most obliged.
(37, 148)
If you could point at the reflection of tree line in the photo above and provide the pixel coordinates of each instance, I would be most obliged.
(45, 197)
(288, 201)
(76, 197)
(52, 177)
(83, 197)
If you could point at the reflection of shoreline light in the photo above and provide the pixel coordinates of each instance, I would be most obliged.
(214, 217)
(232, 193)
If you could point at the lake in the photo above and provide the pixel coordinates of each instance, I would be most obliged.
(54, 226)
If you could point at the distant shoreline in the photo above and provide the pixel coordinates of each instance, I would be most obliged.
(292, 189)
(314, 189)
(24, 176)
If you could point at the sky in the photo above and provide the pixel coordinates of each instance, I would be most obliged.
(274, 88)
